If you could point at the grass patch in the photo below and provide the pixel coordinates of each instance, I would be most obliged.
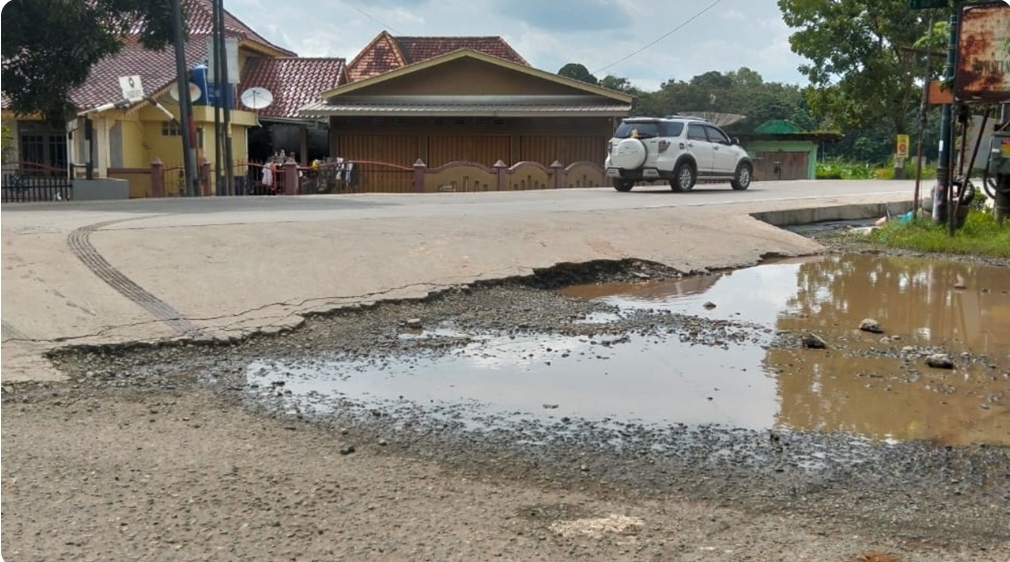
(836, 169)
(980, 236)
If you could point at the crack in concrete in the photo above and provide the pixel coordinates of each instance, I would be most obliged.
(435, 285)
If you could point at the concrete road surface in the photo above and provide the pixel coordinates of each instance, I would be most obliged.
(106, 272)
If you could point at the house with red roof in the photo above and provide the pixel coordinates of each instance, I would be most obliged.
(127, 139)
(448, 99)
(399, 101)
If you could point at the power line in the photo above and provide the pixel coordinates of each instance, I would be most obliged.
(664, 36)
(369, 16)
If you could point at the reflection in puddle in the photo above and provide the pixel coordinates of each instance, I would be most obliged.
(871, 384)
(631, 378)
(875, 386)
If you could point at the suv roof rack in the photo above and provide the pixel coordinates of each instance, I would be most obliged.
(692, 117)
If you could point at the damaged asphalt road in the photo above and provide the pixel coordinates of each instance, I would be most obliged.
(921, 499)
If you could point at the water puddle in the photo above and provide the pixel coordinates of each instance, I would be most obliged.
(871, 384)
(646, 379)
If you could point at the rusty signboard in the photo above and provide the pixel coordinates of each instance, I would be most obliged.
(983, 68)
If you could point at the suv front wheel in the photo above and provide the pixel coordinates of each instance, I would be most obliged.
(742, 178)
(684, 177)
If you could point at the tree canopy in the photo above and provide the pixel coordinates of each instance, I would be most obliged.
(858, 71)
(578, 72)
(49, 46)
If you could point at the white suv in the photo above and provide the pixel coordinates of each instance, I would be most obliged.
(678, 149)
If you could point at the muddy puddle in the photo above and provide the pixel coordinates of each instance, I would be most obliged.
(874, 385)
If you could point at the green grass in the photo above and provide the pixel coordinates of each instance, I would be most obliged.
(835, 169)
(980, 236)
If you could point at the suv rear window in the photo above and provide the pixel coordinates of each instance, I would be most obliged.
(649, 129)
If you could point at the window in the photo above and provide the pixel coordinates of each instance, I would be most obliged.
(58, 151)
(638, 129)
(170, 129)
(717, 136)
(498, 123)
(673, 129)
(33, 148)
(458, 122)
(696, 132)
(439, 122)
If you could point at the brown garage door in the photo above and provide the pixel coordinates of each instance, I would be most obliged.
(483, 149)
(395, 150)
(566, 149)
(792, 166)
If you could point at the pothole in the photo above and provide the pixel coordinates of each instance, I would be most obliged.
(716, 350)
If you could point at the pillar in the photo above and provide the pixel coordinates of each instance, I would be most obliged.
(157, 178)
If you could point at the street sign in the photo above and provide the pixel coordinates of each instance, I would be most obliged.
(901, 151)
(927, 4)
(132, 88)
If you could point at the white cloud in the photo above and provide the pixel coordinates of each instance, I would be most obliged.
(733, 34)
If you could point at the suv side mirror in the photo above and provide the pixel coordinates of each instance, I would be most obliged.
(734, 141)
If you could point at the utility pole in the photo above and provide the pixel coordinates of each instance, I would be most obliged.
(923, 108)
(216, 55)
(228, 175)
(185, 103)
(941, 199)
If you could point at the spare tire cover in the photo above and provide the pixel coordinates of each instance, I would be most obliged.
(629, 154)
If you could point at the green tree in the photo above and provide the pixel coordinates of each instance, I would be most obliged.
(578, 72)
(742, 92)
(859, 74)
(617, 83)
(6, 143)
(49, 46)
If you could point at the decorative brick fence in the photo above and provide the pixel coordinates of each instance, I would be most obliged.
(374, 177)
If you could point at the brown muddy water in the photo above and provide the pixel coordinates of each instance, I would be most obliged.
(875, 385)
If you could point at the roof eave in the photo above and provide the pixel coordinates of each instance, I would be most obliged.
(461, 53)
(270, 50)
(317, 113)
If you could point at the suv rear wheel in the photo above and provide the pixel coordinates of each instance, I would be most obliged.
(623, 185)
(684, 177)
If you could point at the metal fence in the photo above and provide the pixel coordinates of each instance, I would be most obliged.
(25, 182)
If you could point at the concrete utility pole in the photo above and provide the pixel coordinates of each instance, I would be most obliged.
(218, 78)
(941, 198)
(185, 103)
(227, 87)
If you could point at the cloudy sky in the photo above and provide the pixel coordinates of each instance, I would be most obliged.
(551, 33)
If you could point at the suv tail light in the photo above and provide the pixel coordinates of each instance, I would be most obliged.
(663, 145)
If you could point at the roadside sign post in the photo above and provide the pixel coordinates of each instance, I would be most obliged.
(900, 154)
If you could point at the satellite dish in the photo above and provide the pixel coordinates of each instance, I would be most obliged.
(194, 92)
(257, 98)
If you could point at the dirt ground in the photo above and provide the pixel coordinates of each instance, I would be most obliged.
(140, 457)
(181, 476)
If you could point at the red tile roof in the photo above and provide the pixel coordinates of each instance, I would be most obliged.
(294, 82)
(418, 49)
(386, 53)
(200, 21)
(378, 57)
(157, 68)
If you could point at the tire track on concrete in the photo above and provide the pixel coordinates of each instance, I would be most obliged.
(80, 244)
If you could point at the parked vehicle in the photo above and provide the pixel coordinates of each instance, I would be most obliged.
(678, 149)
